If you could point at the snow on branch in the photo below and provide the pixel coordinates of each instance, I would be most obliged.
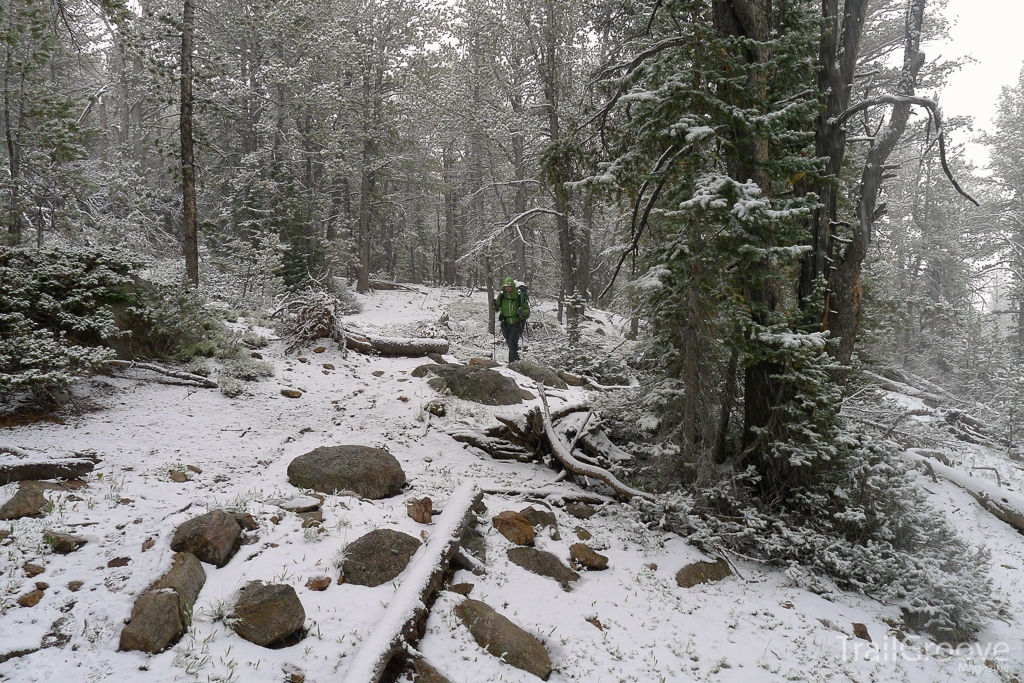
(186, 377)
(486, 242)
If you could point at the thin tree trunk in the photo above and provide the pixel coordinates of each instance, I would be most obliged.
(188, 168)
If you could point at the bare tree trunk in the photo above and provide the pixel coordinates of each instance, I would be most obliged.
(489, 280)
(188, 167)
(13, 149)
(366, 185)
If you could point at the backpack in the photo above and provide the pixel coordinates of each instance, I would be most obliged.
(524, 299)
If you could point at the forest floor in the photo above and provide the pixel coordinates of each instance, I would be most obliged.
(757, 625)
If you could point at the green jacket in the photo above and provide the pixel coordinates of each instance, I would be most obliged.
(508, 304)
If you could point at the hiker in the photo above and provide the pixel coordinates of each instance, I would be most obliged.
(513, 308)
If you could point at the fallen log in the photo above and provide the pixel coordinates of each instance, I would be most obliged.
(1004, 505)
(411, 347)
(186, 377)
(497, 448)
(570, 463)
(71, 468)
(405, 617)
(388, 286)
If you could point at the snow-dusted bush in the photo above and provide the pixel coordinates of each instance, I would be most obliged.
(861, 523)
(308, 315)
(59, 312)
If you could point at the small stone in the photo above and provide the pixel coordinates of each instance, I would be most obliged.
(311, 519)
(318, 583)
(267, 614)
(246, 521)
(377, 373)
(584, 556)
(436, 407)
(544, 564)
(320, 349)
(526, 395)
(32, 599)
(42, 585)
(596, 623)
(571, 379)
(303, 360)
(861, 631)
(483, 363)
(193, 468)
(212, 537)
(702, 572)
(256, 355)
(421, 510)
(653, 567)
(377, 557)
(33, 569)
(304, 503)
(125, 501)
(178, 476)
(514, 527)
(328, 366)
(581, 510)
(582, 534)
(73, 586)
(63, 543)
(147, 544)
(291, 393)
(461, 588)
(119, 562)
(503, 639)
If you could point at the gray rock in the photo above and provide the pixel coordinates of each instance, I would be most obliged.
(472, 383)
(160, 616)
(267, 614)
(369, 472)
(474, 543)
(539, 373)
(377, 557)
(543, 563)
(580, 510)
(157, 623)
(503, 639)
(27, 501)
(702, 572)
(582, 555)
(213, 537)
(542, 518)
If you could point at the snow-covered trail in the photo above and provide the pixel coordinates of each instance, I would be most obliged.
(758, 626)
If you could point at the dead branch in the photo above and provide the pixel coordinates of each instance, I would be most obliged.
(575, 466)
(411, 347)
(191, 379)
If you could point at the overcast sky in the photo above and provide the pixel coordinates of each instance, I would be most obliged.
(992, 31)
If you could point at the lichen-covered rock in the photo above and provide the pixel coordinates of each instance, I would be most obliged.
(213, 537)
(369, 472)
(539, 374)
(544, 564)
(472, 383)
(267, 614)
(501, 638)
(377, 557)
(702, 572)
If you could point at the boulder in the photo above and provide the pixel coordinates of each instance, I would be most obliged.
(472, 383)
(514, 527)
(483, 363)
(377, 557)
(213, 537)
(702, 572)
(157, 623)
(544, 564)
(582, 555)
(63, 543)
(539, 374)
(426, 673)
(27, 501)
(267, 614)
(186, 578)
(540, 519)
(369, 472)
(503, 639)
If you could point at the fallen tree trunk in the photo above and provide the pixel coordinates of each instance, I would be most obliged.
(405, 617)
(570, 463)
(395, 346)
(196, 380)
(385, 285)
(72, 468)
(1004, 505)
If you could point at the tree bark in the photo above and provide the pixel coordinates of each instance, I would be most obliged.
(188, 167)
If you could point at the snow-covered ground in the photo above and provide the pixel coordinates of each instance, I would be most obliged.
(754, 626)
